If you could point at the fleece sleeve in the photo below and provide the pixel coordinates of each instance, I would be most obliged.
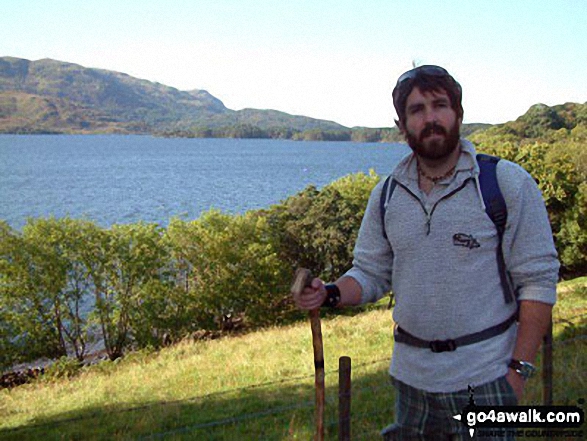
(529, 250)
(373, 256)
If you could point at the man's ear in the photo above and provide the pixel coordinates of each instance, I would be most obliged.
(400, 126)
(460, 121)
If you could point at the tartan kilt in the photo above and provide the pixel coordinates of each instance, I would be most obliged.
(423, 416)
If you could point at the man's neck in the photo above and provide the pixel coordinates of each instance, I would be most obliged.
(429, 169)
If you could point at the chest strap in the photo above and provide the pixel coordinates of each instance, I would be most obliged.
(402, 336)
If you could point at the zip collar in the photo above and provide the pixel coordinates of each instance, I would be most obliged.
(406, 173)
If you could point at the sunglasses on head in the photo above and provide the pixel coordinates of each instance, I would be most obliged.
(436, 71)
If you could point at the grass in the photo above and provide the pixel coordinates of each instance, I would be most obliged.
(257, 386)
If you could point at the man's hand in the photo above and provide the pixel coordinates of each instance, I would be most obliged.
(311, 297)
(516, 382)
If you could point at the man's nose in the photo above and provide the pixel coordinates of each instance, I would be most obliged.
(430, 115)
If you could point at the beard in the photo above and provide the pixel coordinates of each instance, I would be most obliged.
(437, 148)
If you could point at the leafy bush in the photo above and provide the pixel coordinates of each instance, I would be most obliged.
(231, 269)
(558, 162)
(64, 367)
(317, 229)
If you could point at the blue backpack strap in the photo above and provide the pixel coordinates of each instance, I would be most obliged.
(497, 211)
(386, 192)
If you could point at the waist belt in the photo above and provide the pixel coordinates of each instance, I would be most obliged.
(403, 336)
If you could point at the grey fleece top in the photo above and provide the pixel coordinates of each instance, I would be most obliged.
(444, 290)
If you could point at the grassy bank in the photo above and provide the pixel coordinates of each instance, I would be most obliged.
(256, 386)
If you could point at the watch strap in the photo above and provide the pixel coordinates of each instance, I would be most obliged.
(332, 296)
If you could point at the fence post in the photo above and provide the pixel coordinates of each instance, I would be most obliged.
(547, 367)
(344, 398)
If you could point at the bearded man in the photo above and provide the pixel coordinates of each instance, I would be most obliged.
(435, 248)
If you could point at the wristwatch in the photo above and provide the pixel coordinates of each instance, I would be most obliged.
(525, 369)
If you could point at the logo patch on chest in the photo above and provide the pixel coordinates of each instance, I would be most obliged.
(465, 240)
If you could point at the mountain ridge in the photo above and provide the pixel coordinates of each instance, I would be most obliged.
(51, 96)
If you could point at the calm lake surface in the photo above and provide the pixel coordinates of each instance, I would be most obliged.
(125, 179)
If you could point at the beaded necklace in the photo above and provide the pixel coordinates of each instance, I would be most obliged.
(435, 179)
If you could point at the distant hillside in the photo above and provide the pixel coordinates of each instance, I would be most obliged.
(48, 96)
(542, 122)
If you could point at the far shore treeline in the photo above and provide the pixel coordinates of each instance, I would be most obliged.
(356, 134)
(255, 132)
(65, 283)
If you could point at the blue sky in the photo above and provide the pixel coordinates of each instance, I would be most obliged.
(330, 59)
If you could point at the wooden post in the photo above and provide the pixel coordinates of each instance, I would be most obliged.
(344, 399)
(547, 367)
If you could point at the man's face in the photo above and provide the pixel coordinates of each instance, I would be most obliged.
(431, 125)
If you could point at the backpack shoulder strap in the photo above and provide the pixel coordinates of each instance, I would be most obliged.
(496, 209)
(492, 196)
(386, 192)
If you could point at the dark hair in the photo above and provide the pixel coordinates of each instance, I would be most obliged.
(426, 79)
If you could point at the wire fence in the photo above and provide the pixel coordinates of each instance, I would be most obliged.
(359, 418)
(372, 407)
(331, 423)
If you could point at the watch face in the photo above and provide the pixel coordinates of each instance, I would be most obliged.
(525, 372)
(526, 369)
(523, 368)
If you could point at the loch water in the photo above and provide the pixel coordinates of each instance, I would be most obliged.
(113, 179)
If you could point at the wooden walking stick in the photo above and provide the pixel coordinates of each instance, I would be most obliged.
(302, 279)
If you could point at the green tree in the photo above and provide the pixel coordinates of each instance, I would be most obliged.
(572, 236)
(231, 270)
(317, 229)
(558, 162)
(66, 252)
(28, 330)
(44, 283)
(136, 258)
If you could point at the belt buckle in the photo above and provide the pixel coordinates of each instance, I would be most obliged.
(437, 346)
